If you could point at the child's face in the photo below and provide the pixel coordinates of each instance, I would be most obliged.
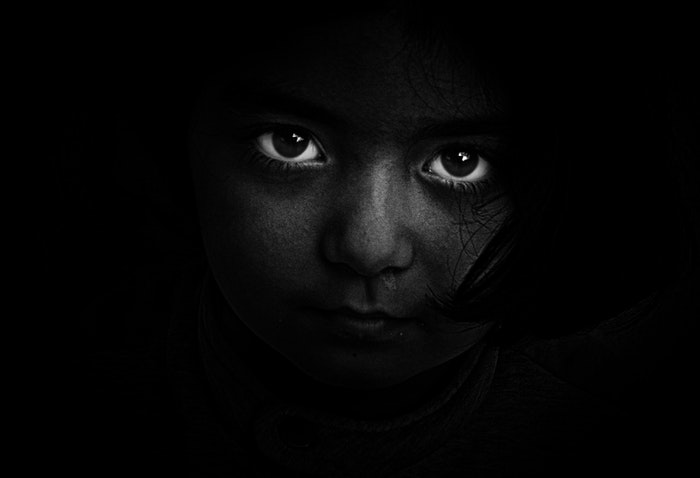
(336, 177)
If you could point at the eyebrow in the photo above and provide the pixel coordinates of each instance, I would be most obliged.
(257, 99)
(462, 127)
(247, 99)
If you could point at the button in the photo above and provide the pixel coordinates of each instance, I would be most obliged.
(296, 432)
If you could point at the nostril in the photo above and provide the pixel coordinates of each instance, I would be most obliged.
(370, 260)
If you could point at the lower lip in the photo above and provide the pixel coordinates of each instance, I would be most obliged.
(370, 330)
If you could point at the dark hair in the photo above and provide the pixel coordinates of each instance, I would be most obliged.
(600, 173)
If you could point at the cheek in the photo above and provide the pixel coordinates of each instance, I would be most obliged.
(255, 237)
(456, 236)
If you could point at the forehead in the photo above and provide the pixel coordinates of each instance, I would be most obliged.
(366, 71)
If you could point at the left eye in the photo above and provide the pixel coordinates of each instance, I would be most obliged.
(290, 145)
(458, 164)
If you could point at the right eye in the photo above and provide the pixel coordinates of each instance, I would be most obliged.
(289, 145)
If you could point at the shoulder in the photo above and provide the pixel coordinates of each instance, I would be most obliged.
(637, 350)
(623, 386)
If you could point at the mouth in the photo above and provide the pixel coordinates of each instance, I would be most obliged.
(362, 327)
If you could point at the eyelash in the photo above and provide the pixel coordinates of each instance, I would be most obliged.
(476, 188)
(247, 137)
(275, 165)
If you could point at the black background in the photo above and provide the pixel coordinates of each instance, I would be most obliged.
(114, 196)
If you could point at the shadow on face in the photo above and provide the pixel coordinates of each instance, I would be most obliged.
(343, 178)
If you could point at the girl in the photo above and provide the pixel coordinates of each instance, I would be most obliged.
(428, 250)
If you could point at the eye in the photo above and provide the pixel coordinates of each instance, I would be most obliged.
(458, 164)
(289, 145)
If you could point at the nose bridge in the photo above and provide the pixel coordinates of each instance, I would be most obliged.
(372, 233)
(375, 207)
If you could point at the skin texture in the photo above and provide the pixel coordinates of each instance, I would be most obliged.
(367, 227)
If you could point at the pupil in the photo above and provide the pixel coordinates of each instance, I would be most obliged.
(289, 144)
(460, 162)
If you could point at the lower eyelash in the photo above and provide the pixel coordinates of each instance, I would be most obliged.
(478, 189)
(266, 163)
(269, 163)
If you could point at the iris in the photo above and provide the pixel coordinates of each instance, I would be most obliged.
(459, 162)
(289, 143)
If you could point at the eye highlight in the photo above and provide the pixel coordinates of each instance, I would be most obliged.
(459, 164)
(291, 145)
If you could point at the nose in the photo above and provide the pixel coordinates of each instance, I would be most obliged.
(370, 232)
